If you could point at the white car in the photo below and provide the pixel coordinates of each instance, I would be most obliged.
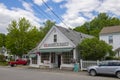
(106, 67)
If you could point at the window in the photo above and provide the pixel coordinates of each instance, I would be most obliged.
(103, 64)
(67, 56)
(110, 39)
(44, 56)
(114, 64)
(34, 59)
(55, 38)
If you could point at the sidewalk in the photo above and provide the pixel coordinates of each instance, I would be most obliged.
(57, 70)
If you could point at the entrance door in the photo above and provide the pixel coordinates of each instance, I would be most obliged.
(59, 60)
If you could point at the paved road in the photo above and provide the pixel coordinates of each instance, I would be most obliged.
(8, 73)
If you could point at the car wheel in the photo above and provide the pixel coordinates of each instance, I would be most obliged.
(92, 72)
(118, 74)
(25, 64)
(12, 65)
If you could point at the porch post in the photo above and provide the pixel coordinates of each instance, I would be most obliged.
(61, 62)
(30, 61)
(74, 54)
(50, 65)
(38, 60)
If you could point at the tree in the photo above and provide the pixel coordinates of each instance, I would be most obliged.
(2, 39)
(94, 49)
(21, 37)
(94, 26)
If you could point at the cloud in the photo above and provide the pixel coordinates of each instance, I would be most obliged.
(39, 2)
(112, 6)
(79, 11)
(7, 16)
(75, 7)
(27, 6)
(57, 1)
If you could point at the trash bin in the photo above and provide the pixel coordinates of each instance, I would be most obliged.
(76, 67)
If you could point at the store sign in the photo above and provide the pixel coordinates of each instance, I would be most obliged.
(56, 44)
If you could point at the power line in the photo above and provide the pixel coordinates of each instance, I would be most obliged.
(53, 12)
(41, 11)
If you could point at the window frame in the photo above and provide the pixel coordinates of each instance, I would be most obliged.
(110, 39)
(55, 38)
(66, 57)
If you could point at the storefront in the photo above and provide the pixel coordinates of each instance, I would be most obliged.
(58, 49)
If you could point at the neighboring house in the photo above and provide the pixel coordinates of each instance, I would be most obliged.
(3, 51)
(111, 35)
(57, 49)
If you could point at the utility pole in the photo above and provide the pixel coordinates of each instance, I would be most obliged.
(88, 27)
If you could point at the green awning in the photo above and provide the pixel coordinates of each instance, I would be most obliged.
(56, 50)
(32, 55)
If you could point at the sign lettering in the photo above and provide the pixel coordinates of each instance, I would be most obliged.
(56, 44)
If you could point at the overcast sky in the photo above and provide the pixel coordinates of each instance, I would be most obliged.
(72, 12)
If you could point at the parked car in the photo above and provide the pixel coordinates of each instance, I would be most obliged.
(105, 67)
(18, 62)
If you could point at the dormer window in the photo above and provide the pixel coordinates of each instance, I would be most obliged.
(55, 38)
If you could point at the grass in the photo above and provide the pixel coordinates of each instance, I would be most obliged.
(3, 63)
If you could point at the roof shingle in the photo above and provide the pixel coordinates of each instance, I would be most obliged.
(75, 37)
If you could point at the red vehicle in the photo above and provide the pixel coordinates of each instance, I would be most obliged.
(17, 62)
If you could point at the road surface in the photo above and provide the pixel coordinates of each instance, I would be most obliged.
(14, 73)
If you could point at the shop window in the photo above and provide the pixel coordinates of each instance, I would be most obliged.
(110, 39)
(44, 57)
(34, 60)
(52, 57)
(66, 57)
(55, 38)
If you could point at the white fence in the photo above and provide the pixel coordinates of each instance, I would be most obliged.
(85, 64)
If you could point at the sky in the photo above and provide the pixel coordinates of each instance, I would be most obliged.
(71, 13)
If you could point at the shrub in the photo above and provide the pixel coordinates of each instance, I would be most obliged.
(109, 58)
(112, 58)
(2, 58)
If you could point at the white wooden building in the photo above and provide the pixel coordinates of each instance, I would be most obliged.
(57, 49)
(111, 35)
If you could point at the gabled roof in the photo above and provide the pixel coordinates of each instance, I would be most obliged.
(75, 37)
(112, 29)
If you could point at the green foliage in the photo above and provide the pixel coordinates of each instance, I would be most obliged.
(2, 39)
(4, 63)
(93, 49)
(94, 27)
(21, 37)
(2, 58)
(112, 58)
(109, 58)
